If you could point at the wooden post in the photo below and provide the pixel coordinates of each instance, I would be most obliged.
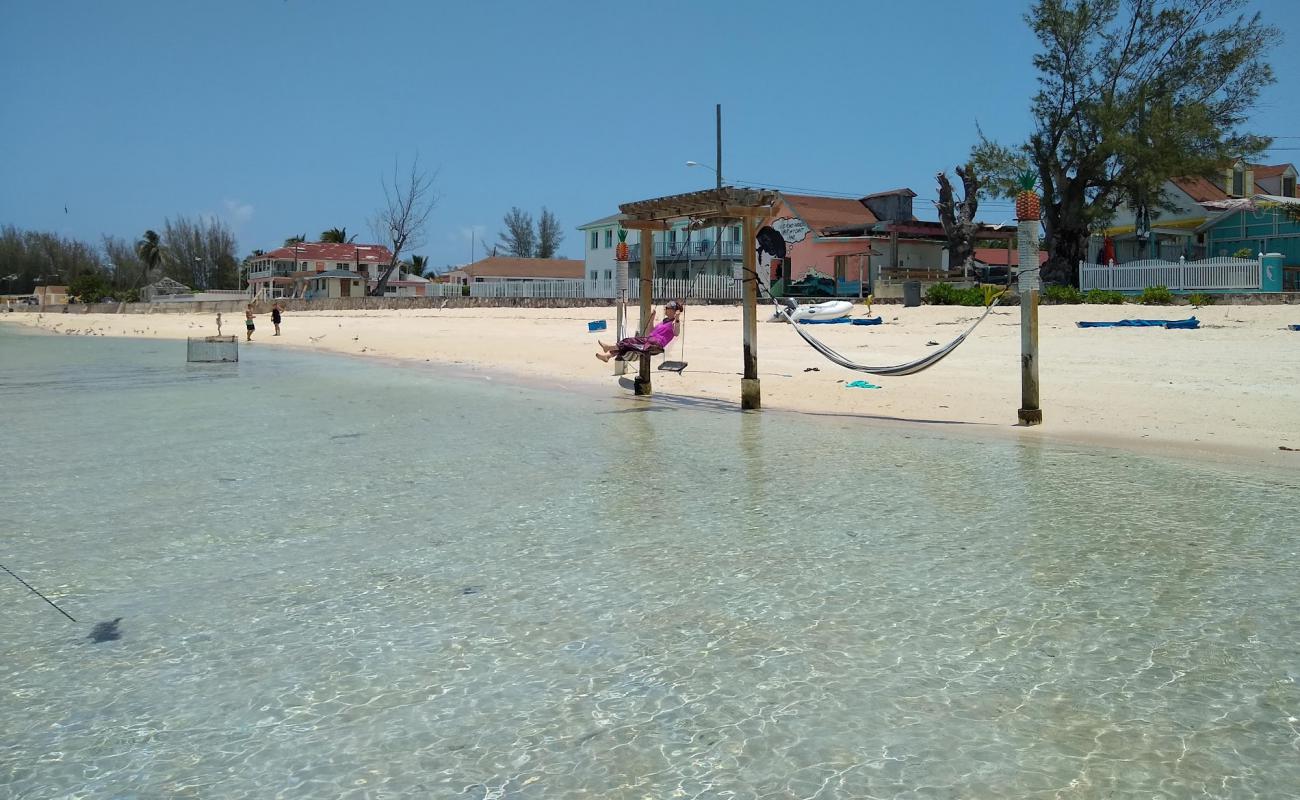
(641, 386)
(750, 395)
(620, 322)
(1029, 413)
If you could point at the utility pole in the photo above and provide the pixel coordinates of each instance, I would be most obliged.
(717, 229)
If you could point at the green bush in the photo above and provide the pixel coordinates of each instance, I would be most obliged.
(89, 288)
(1062, 294)
(1199, 299)
(945, 294)
(1243, 252)
(1155, 296)
(1103, 297)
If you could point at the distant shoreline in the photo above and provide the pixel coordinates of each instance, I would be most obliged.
(1219, 394)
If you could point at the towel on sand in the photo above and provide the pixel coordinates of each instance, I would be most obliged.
(1191, 323)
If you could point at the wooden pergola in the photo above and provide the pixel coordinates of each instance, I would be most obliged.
(715, 206)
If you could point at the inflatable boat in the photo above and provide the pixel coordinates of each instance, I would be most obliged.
(831, 309)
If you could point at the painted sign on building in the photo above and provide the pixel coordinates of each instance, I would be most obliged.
(791, 229)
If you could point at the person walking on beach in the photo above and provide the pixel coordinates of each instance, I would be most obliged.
(275, 318)
(249, 327)
(653, 342)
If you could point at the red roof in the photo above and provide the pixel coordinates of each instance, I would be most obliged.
(828, 212)
(997, 257)
(1202, 190)
(535, 268)
(1268, 170)
(320, 251)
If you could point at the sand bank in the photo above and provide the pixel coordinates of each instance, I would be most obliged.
(1231, 387)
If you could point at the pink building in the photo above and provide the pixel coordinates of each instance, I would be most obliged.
(846, 239)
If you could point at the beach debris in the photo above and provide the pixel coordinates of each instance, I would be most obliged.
(1288, 449)
(932, 344)
(316, 338)
(105, 632)
(812, 369)
(860, 385)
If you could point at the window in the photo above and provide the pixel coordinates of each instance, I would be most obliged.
(735, 235)
(1288, 187)
(341, 265)
(609, 274)
(672, 236)
(609, 237)
(1238, 182)
(594, 274)
(595, 239)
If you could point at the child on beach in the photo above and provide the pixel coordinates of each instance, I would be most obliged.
(249, 327)
(275, 318)
(653, 342)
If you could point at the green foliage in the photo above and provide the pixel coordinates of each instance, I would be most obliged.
(89, 288)
(1062, 294)
(1026, 181)
(1130, 93)
(1243, 252)
(1155, 296)
(1199, 299)
(336, 236)
(298, 239)
(1103, 297)
(945, 294)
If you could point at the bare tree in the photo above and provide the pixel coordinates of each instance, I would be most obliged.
(124, 262)
(549, 235)
(408, 202)
(958, 218)
(519, 239)
(200, 253)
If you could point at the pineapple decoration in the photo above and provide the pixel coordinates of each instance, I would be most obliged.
(620, 253)
(1027, 203)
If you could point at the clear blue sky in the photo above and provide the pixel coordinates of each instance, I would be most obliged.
(280, 115)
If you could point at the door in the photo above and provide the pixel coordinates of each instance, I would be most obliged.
(345, 288)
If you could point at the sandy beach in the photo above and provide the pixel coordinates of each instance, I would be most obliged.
(1230, 389)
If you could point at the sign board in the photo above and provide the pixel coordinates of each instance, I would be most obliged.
(792, 229)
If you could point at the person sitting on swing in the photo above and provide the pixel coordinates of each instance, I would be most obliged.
(653, 342)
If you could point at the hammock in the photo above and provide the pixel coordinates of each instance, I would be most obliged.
(910, 368)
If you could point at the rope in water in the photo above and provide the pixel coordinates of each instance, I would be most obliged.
(38, 594)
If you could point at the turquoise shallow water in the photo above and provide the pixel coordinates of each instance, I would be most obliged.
(346, 579)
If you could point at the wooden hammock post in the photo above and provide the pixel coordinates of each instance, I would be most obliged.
(750, 394)
(620, 289)
(641, 386)
(1029, 282)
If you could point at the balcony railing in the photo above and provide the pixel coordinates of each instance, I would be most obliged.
(696, 250)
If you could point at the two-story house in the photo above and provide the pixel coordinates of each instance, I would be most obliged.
(683, 252)
(1174, 228)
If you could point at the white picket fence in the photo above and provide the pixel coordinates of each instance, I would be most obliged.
(1222, 273)
(701, 287)
(556, 289)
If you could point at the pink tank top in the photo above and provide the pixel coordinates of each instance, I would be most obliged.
(662, 333)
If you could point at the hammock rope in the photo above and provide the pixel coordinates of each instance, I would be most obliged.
(909, 368)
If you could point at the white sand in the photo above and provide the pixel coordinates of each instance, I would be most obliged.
(1230, 389)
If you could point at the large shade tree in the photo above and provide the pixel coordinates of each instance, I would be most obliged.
(1131, 92)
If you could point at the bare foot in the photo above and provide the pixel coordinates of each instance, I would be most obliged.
(603, 356)
(604, 346)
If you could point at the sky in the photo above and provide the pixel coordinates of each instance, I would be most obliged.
(280, 117)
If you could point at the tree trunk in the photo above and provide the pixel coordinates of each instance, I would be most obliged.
(1065, 249)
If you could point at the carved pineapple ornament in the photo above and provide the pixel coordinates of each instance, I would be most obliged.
(1027, 203)
(620, 252)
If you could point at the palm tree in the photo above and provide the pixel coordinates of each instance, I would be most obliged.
(150, 250)
(292, 240)
(418, 265)
(336, 236)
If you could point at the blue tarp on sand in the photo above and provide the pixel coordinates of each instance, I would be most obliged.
(1191, 323)
(1294, 327)
(842, 321)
